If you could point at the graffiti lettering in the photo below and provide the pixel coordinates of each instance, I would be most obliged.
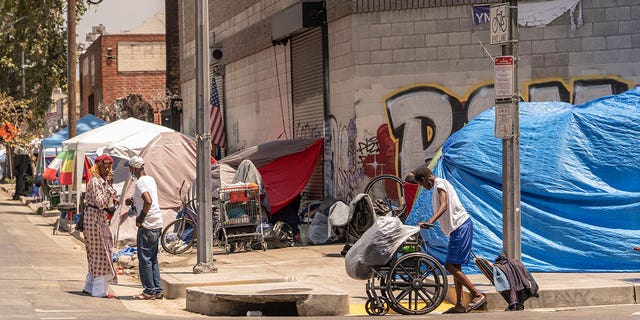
(422, 117)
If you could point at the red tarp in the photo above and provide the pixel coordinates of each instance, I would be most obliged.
(285, 177)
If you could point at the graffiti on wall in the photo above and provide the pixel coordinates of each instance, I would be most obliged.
(420, 118)
(348, 169)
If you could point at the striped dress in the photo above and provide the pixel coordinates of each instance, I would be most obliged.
(98, 239)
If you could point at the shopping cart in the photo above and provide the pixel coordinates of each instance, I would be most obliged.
(241, 217)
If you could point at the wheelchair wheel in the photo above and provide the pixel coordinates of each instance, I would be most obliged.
(387, 195)
(416, 284)
(374, 308)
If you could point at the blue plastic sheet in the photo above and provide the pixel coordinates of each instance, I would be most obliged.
(126, 251)
(580, 185)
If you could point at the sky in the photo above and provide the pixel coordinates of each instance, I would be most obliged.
(117, 15)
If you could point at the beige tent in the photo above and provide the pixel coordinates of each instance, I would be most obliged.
(170, 158)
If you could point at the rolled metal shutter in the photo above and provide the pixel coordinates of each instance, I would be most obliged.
(308, 104)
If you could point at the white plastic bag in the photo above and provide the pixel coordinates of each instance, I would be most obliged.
(377, 246)
(319, 229)
(338, 216)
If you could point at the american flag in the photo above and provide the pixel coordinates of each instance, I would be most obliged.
(215, 116)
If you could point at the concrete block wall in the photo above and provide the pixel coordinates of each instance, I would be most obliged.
(258, 98)
(382, 48)
(437, 45)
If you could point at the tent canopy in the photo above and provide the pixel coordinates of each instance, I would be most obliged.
(113, 132)
(170, 158)
(580, 184)
(106, 135)
(84, 124)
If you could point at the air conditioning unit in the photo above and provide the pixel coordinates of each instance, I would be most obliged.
(297, 18)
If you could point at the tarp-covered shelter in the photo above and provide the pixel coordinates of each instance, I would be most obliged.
(107, 135)
(580, 185)
(285, 166)
(170, 158)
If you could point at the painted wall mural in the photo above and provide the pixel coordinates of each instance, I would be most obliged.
(421, 117)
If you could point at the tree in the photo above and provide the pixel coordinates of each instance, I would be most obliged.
(33, 52)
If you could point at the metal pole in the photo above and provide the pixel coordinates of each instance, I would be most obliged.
(71, 67)
(24, 81)
(203, 137)
(511, 155)
(328, 152)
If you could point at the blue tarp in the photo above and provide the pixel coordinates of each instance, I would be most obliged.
(84, 124)
(580, 185)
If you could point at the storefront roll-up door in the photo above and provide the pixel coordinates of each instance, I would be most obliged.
(307, 91)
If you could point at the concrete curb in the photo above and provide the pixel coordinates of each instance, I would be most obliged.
(176, 283)
(289, 298)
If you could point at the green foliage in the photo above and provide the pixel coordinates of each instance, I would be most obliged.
(18, 113)
(37, 29)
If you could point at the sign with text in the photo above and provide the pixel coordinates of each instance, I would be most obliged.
(504, 120)
(504, 70)
(500, 23)
(52, 119)
(480, 14)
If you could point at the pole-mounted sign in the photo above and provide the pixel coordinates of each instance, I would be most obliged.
(500, 23)
(503, 78)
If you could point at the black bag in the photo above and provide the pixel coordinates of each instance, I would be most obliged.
(80, 224)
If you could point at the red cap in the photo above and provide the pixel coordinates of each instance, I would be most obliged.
(104, 157)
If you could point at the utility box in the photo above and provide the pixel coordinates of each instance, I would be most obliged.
(296, 18)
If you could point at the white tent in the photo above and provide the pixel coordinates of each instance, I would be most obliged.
(107, 135)
(170, 158)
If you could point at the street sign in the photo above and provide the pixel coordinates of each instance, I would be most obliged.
(504, 120)
(52, 119)
(500, 23)
(503, 78)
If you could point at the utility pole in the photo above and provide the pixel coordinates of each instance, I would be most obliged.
(511, 154)
(504, 29)
(24, 81)
(326, 100)
(203, 143)
(71, 67)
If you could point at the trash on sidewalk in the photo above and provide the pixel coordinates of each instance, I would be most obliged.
(127, 251)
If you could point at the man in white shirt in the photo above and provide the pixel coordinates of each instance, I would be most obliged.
(149, 223)
(457, 225)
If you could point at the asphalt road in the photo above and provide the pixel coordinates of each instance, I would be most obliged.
(42, 275)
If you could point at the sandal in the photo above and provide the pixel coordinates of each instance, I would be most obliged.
(478, 302)
(454, 310)
(144, 296)
(110, 296)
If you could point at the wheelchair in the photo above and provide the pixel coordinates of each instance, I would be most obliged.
(411, 283)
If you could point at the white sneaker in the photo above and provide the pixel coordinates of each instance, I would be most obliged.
(181, 247)
(175, 244)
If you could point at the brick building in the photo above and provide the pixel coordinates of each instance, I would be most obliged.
(402, 75)
(126, 69)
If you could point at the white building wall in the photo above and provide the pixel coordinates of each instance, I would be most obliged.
(258, 102)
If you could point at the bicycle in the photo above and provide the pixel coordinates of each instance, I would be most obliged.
(181, 234)
(499, 21)
(387, 195)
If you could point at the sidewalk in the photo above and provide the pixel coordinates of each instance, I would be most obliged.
(292, 269)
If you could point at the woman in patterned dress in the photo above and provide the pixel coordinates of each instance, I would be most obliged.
(98, 239)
